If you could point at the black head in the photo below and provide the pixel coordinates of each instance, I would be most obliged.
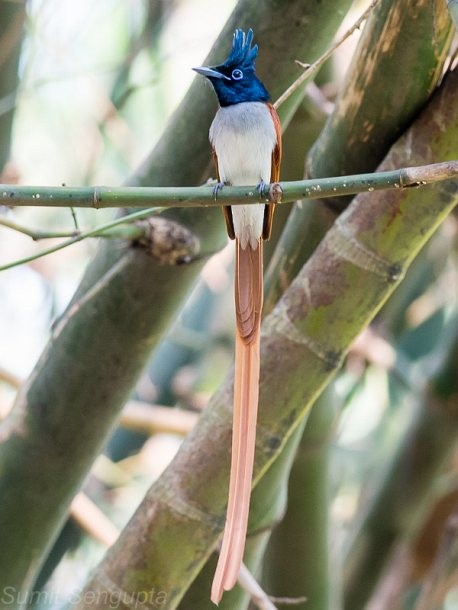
(235, 80)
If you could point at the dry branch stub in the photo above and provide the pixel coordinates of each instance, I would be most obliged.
(169, 242)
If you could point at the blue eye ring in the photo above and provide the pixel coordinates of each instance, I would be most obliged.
(237, 74)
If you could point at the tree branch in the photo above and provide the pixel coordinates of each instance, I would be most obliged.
(203, 196)
(198, 196)
(257, 594)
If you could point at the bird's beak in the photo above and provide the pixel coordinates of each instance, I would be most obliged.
(210, 73)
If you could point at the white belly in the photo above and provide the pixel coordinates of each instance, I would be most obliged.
(243, 136)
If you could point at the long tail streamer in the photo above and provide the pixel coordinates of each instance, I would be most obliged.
(248, 306)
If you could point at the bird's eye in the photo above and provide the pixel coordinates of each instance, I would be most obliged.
(237, 74)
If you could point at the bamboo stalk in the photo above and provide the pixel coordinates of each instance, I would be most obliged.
(297, 558)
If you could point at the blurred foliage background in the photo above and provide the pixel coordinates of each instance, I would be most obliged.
(97, 85)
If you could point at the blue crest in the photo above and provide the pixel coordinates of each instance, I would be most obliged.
(242, 55)
(235, 80)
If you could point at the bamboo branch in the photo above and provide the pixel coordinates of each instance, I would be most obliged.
(35, 234)
(200, 196)
(118, 228)
(10, 378)
(149, 419)
(257, 594)
(92, 520)
(203, 196)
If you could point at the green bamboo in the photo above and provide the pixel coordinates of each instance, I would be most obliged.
(297, 557)
(421, 274)
(12, 15)
(354, 270)
(376, 103)
(123, 305)
(410, 177)
(203, 196)
(168, 357)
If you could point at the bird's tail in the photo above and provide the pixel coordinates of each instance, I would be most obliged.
(248, 305)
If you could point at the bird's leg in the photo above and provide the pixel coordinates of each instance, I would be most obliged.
(218, 186)
(261, 188)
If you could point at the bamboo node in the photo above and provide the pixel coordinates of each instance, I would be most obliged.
(275, 192)
(346, 245)
(285, 327)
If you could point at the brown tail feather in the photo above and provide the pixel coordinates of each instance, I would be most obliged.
(248, 305)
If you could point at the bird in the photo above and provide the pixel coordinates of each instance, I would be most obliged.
(245, 137)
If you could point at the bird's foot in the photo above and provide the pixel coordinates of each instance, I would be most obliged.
(216, 189)
(262, 188)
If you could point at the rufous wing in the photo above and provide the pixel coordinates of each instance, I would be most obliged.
(274, 172)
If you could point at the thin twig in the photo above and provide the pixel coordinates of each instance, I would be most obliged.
(100, 231)
(151, 419)
(35, 234)
(10, 378)
(312, 69)
(257, 594)
(289, 601)
(75, 220)
(92, 520)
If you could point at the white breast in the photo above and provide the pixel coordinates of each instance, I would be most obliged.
(243, 136)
